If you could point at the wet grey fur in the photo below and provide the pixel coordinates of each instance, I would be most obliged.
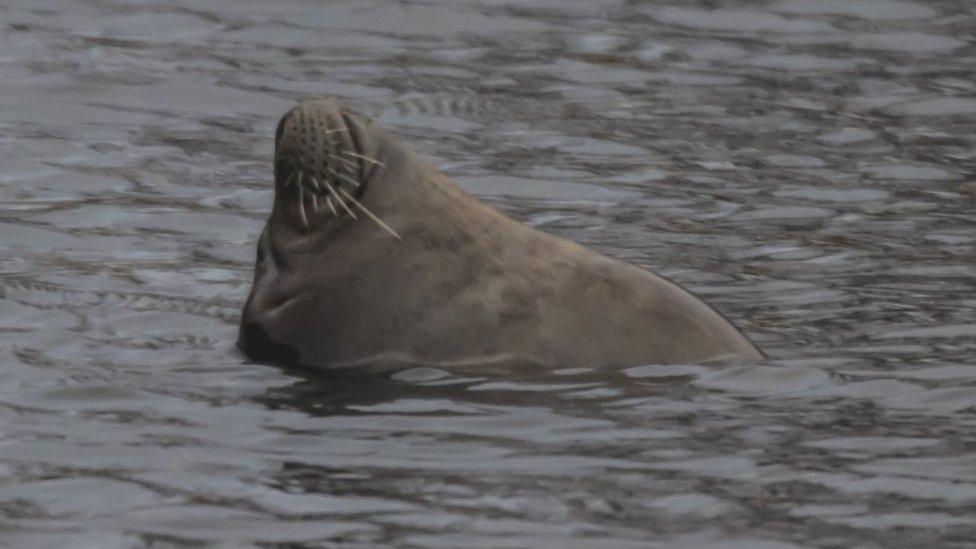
(462, 283)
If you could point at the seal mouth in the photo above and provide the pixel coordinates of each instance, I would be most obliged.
(318, 159)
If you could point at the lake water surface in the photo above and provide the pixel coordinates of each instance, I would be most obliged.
(806, 166)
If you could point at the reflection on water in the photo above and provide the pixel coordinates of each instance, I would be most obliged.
(806, 166)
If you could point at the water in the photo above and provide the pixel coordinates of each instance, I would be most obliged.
(808, 167)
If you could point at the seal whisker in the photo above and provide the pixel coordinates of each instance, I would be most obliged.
(348, 163)
(363, 157)
(371, 215)
(339, 200)
(328, 200)
(301, 206)
(344, 177)
(315, 203)
(315, 184)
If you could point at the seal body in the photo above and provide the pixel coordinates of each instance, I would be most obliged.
(429, 274)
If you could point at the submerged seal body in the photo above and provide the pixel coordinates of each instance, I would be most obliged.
(371, 252)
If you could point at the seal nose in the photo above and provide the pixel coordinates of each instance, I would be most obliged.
(313, 137)
(319, 163)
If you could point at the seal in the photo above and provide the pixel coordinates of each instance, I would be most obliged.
(371, 254)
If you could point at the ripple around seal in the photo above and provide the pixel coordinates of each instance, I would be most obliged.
(907, 520)
(561, 191)
(81, 397)
(82, 497)
(784, 214)
(847, 136)
(21, 317)
(938, 106)
(873, 444)
(840, 196)
(950, 331)
(876, 10)
(212, 523)
(936, 467)
(165, 27)
(932, 373)
(909, 42)
(905, 172)
(666, 372)
(764, 380)
(951, 493)
(802, 63)
(795, 161)
(743, 21)
(696, 505)
(305, 505)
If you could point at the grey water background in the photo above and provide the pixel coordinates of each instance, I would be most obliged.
(806, 166)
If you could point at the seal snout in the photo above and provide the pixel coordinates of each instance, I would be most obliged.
(319, 164)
